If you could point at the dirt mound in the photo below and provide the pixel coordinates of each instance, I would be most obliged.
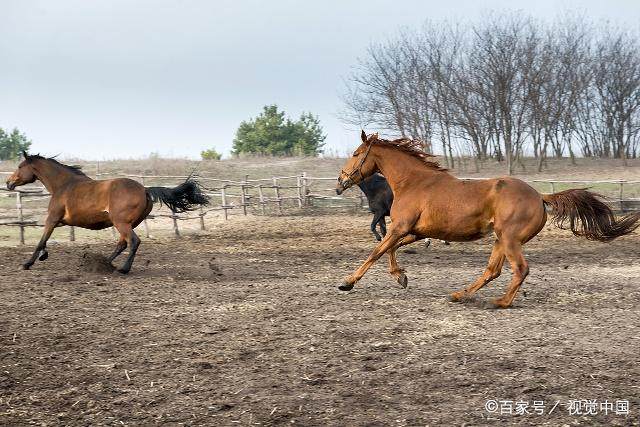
(95, 263)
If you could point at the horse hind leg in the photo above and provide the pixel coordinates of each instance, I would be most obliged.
(520, 270)
(120, 247)
(493, 270)
(133, 242)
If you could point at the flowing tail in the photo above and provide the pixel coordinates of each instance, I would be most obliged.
(185, 197)
(588, 216)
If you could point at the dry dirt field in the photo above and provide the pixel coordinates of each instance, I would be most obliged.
(243, 325)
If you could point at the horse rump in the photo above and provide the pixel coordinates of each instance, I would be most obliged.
(588, 216)
(185, 197)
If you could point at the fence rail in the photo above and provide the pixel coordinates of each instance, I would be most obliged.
(265, 196)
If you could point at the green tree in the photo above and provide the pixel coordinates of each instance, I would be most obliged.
(12, 144)
(272, 133)
(210, 154)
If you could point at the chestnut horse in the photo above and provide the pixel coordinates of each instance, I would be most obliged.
(83, 202)
(430, 202)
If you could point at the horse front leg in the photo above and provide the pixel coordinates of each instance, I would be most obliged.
(41, 247)
(389, 241)
(394, 267)
(383, 226)
(374, 222)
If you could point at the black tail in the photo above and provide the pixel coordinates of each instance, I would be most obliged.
(588, 216)
(185, 197)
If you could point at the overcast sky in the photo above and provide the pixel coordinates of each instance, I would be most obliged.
(120, 79)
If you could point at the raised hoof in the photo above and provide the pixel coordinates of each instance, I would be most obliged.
(345, 287)
(43, 255)
(26, 266)
(403, 281)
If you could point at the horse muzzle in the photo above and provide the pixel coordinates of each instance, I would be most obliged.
(342, 186)
(11, 185)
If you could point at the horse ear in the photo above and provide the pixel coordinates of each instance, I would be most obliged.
(363, 136)
(25, 155)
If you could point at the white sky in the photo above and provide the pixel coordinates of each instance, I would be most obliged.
(120, 79)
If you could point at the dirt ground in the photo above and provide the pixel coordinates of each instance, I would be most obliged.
(244, 325)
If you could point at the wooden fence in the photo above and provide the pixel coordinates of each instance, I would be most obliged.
(268, 196)
(265, 196)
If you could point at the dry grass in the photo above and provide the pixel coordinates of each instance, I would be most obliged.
(265, 167)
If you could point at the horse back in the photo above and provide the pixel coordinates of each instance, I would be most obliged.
(462, 210)
(97, 204)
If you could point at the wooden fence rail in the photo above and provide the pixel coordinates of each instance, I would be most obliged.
(267, 196)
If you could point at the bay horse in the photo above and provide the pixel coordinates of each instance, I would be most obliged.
(83, 202)
(430, 202)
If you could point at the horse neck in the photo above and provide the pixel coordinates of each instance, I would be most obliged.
(54, 176)
(400, 169)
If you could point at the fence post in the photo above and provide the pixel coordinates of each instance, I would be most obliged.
(244, 195)
(553, 187)
(224, 201)
(202, 219)
(277, 192)
(620, 196)
(146, 228)
(20, 216)
(299, 185)
(144, 221)
(72, 234)
(175, 225)
(305, 190)
(261, 195)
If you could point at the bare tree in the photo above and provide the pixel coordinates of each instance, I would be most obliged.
(504, 87)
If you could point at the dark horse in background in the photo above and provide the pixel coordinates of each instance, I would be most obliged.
(83, 202)
(380, 198)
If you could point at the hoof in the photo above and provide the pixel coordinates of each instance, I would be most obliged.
(43, 255)
(403, 281)
(458, 297)
(427, 243)
(496, 304)
(123, 271)
(345, 287)
(26, 266)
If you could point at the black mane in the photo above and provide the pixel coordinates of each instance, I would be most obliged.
(75, 169)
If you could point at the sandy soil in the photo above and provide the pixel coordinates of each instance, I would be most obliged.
(244, 325)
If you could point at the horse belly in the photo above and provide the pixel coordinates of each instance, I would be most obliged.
(455, 235)
(91, 221)
(460, 229)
